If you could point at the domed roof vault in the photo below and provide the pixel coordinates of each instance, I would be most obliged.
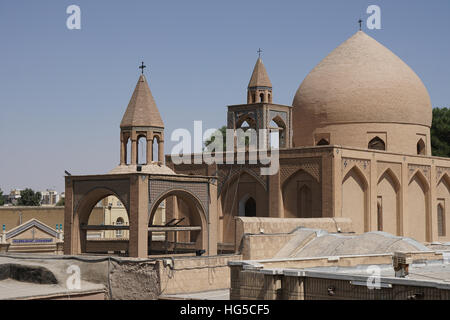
(362, 81)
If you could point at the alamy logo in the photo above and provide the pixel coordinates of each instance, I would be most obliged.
(74, 20)
(374, 21)
(73, 282)
(233, 146)
(374, 280)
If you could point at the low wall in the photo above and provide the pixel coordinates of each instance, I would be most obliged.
(13, 216)
(256, 247)
(195, 274)
(277, 232)
(135, 280)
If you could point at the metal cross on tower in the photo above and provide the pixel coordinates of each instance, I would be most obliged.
(259, 52)
(360, 24)
(142, 66)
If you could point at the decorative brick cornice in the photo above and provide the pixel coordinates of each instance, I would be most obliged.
(425, 170)
(288, 167)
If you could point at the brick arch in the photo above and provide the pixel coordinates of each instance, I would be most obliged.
(246, 117)
(355, 195)
(184, 194)
(195, 205)
(419, 187)
(288, 170)
(422, 177)
(388, 202)
(233, 190)
(302, 195)
(279, 121)
(356, 166)
(443, 199)
(236, 175)
(305, 169)
(444, 178)
(85, 205)
(156, 135)
(392, 175)
(83, 209)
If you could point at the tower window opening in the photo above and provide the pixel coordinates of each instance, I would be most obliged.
(377, 144)
(421, 147)
(323, 142)
(128, 152)
(142, 150)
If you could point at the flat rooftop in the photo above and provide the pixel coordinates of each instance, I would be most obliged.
(433, 273)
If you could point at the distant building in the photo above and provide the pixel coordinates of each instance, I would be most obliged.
(49, 197)
(14, 196)
(115, 213)
(32, 236)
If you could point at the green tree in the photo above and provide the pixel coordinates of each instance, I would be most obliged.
(223, 132)
(61, 202)
(29, 198)
(440, 132)
(2, 199)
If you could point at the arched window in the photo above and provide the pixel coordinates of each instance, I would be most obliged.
(261, 97)
(119, 222)
(250, 207)
(420, 147)
(275, 135)
(269, 99)
(128, 152)
(155, 147)
(377, 144)
(277, 130)
(323, 142)
(142, 150)
(441, 220)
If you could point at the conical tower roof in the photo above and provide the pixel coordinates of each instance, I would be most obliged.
(142, 110)
(259, 76)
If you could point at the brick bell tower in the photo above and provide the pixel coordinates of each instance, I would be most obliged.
(259, 88)
(260, 112)
(141, 120)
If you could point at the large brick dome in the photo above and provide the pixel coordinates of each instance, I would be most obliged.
(361, 81)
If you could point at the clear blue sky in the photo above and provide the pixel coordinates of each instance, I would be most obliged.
(63, 92)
